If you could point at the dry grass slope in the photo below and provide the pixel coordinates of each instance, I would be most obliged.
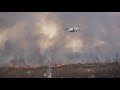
(108, 70)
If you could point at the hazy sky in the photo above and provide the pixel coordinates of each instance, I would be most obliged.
(28, 35)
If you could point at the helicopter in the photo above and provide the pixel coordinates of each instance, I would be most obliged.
(76, 29)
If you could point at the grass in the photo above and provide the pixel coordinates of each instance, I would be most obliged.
(108, 70)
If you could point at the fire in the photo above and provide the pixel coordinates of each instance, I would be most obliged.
(57, 65)
(17, 66)
(32, 66)
(60, 65)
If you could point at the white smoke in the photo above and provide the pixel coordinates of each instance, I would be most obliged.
(27, 36)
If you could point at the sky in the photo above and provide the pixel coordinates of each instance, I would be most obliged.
(25, 37)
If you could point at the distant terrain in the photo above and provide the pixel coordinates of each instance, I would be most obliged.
(88, 70)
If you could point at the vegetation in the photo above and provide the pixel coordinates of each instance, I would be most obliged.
(88, 70)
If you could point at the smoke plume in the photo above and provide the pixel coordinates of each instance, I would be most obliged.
(25, 37)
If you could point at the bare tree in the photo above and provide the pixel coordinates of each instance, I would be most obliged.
(116, 55)
(114, 48)
(97, 55)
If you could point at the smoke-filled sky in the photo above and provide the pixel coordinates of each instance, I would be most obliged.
(28, 35)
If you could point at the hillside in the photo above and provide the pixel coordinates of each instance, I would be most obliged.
(90, 70)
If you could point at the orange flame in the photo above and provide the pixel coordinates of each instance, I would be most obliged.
(57, 65)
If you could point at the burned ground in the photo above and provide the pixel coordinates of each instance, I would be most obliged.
(93, 70)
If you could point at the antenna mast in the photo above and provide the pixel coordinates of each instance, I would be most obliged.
(49, 73)
(49, 70)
